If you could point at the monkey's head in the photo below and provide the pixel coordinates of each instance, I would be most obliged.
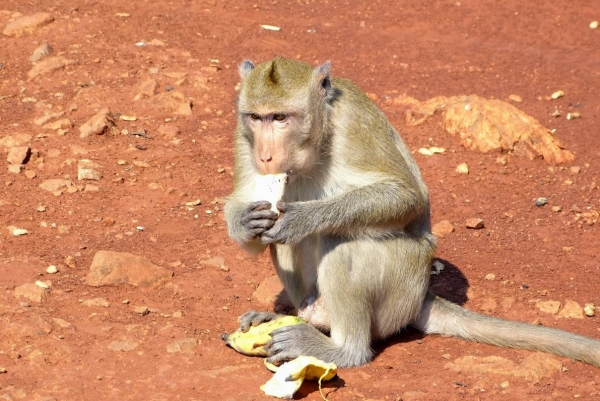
(283, 111)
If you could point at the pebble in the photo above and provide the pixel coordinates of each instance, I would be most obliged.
(557, 95)
(594, 24)
(17, 232)
(18, 154)
(42, 51)
(42, 284)
(462, 168)
(141, 310)
(589, 309)
(490, 277)
(27, 25)
(556, 208)
(52, 269)
(86, 170)
(541, 202)
(2, 369)
(515, 98)
(442, 228)
(474, 223)
(574, 115)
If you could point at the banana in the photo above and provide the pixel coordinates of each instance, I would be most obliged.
(289, 377)
(254, 341)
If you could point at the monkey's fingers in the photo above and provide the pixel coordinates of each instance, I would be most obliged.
(253, 318)
(259, 205)
(287, 342)
(282, 206)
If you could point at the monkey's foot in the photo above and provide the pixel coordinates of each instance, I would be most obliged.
(290, 342)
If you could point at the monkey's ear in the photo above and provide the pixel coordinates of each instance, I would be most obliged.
(323, 78)
(245, 68)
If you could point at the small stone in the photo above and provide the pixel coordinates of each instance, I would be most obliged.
(556, 209)
(86, 170)
(573, 115)
(490, 277)
(17, 232)
(442, 228)
(42, 51)
(18, 154)
(141, 310)
(56, 184)
(589, 309)
(437, 267)
(474, 223)
(184, 345)
(96, 302)
(571, 310)
(541, 202)
(2, 369)
(14, 168)
(47, 66)
(27, 25)
(515, 98)
(594, 24)
(140, 163)
(224, 268)
(462, 168)
(575, 169)
(32, 292)
(217, 261)
(178, 314)
(567, 249)
(115, 268)
(489, 305)
(30, 174)
(91, 188)
(122, 346)
(99, 124)
(551, 307)
(557, 95)
(52, 269)
(42, 284)
(125, 302)
(70, 261)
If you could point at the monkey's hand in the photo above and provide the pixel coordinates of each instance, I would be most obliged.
(291, 226)
(253, 318)
(290, 342)
(256, 219)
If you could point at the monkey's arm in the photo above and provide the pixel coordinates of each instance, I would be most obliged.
(370, 210)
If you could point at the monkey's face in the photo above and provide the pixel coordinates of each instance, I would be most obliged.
(281, 114)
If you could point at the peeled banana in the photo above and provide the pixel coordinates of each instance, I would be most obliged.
(289, 377)
(254, 341)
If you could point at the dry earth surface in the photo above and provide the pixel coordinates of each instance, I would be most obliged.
(172, 66)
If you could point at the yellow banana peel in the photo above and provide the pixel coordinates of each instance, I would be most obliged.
(289, 377)
(254, 341)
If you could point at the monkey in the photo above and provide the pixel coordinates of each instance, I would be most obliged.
(354, 228)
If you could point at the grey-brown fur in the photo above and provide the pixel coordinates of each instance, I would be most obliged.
(354, 227)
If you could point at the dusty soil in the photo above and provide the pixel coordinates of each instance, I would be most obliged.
(422, 48)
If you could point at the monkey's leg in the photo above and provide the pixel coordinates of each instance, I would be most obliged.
(346, 298)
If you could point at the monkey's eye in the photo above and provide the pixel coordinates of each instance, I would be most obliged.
(279, 117)
(254, 117)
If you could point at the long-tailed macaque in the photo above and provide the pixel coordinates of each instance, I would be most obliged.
(354, 222)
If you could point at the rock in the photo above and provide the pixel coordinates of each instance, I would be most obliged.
(183, 345)
(268, 290)
(217, 261)
(589, 309)
(52, 269)
(18, 155)
(515, 98)
(140, 163)
(556, 209)
(474, 223)
(99, 124)
(17, 232)
(65, 123)
(86, 170)
(45, 118)
(571, 310)
(147, 88)
(575, 169)
(551, 307)
(539, 202)
(488, 305)
(122, 346)
(32, 292)
(48, 66)
(63, 324)
(490, 277)
(114, 268)
(488, 125)
(30, 174)
(168, 132)
(442, 228)
(173, 102)
(91, 188)
(14, 168)
(141, 310)
(10, 141)
(96, 302)
(42, 51)
(462, 168)
(534, 367)
(27, 25)
(56, 184)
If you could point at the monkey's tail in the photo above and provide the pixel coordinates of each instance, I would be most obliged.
(439, 316)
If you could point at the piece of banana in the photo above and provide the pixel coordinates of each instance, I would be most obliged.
(289, 377)
(254, 341)
(270, 187)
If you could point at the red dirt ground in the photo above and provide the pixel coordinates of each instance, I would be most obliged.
(422, 48)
